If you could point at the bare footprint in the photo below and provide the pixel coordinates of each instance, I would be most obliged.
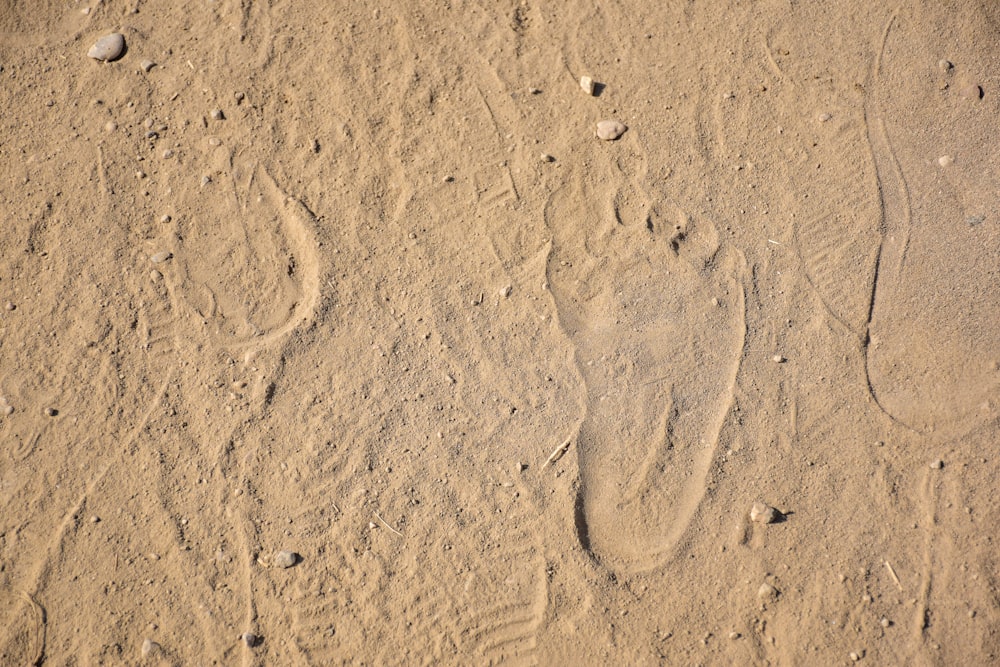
(655, 308)
(933, 357)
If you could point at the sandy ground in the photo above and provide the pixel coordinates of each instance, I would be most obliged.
(355, 315)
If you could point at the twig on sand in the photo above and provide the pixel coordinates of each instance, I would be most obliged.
(557, 454)
(384, 523)
(892, 572)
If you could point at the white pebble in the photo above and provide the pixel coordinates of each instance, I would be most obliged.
(778, 359)
(587, 84)
(161, 257)
(767, 592)
(216, 114)
(148, 646)
(147, 65)
(506, 290)
(946, 160)
(285, 559)
(110, 126)
(761, 513)
(205, 180)
(165, 218)
(545, 157)
(823, 117)
(609, 130)
(167, 154)
(108, 48)
(937, 464)
(6, 410)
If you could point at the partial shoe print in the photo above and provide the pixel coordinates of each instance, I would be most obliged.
(933, 352)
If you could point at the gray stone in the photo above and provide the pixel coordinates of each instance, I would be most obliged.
(761, 513)
(108, 48)
(609, 130)
(285, 559)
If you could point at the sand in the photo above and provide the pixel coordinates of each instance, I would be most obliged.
(334, 334)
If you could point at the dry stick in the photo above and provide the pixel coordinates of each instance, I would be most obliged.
(557, 454)
(387, 525)
(893, 573)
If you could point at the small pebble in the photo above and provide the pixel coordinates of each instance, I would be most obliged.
(95, 519)
(767, 591)
(823, 117)
(506, 290)
(448, 179)
(778, 359)
(51, 412)
(9, 306)
(609, 130)
(937, 464)
(205, 180)
(167, 154)
(6, 410)
(161, 257)
(372, 525)
(946, 160)
(534, 91)
(165, 218)
(108, 48)
(734, 635)
(885, 622)
(945, 65)
(971, 92)
(250, 639)
(547, 158)
(239, 97)
(110, 126)
(587, 84)
(147, 65)
(216, 114)
(148, 646)
(761, 513)
(285, 559)
(854, 656)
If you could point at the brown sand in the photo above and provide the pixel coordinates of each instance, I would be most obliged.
(376, 311)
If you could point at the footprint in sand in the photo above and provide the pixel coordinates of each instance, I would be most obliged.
(245, 261)
(933, 356)
(655, 308)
